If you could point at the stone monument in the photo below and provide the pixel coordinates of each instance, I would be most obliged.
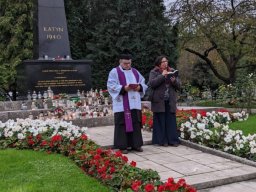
(53, 65)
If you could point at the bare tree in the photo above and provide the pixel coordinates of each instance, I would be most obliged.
(227, 27)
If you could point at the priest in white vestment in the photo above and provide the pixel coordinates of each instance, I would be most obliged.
(126, 87)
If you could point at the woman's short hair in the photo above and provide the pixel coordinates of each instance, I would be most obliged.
(158, 60)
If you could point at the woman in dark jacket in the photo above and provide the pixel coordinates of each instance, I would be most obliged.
(163, 104)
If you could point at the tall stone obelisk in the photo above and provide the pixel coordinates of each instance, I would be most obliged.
(52, 65)
(51, 32)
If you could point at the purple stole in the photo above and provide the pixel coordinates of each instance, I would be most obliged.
(127, 111)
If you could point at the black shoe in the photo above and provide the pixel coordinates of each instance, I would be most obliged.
(139, 149)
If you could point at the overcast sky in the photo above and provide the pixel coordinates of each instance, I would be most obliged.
(166, 2)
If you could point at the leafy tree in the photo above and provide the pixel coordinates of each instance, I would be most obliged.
(202, 77)
(101, 29)
(223, 27)
(16, 39)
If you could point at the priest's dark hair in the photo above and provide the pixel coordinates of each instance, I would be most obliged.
(158, 60)
(126, 54)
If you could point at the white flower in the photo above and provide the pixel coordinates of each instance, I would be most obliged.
(10, 134)
(253, 150)
(20, 136)
(216, 125)
(226, 148)
(194, 121)
(192, 136)
(71, 138)
(207, 137)
(201, 125)
(187, 124)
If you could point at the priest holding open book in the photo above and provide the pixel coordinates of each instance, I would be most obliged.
(126, 87)
(165, 83)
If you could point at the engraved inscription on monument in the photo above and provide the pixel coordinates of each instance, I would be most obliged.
(62, 76)
(60, 79)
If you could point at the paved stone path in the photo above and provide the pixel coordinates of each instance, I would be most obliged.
(202, 170)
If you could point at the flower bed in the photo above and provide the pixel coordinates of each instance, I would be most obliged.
(211, 129)
(111, 168)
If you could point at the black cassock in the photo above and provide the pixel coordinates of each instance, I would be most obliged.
(122, 139)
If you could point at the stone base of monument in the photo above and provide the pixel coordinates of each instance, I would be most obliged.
(62, 76)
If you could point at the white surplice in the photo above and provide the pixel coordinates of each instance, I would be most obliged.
(114, 88)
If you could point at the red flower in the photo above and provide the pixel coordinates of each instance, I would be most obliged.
(56, 138)
(112, 169)
(102, 169)
(44, 143)
(150, 123)
(181, 182)
(99, 151)
(203, 113)
(191, 189)
(39, 137)
(97, 157)
(107, 162)
(84, 137)
(125, 158)
(160, 188)
(174, 187)
(149, 187)
(74, 142)
(118, 154)
(143, 119)
(103, 176)
(30, 137)
(136, 185)
(170, 180)
(31, 142)
(133, 164)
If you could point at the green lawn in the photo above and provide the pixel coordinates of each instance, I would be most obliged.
(217, 103)
(32, 171)
(248, 126)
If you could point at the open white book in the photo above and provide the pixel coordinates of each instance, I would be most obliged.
(174, 73)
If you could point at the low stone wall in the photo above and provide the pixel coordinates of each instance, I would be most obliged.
(22, 114)
(90, 122)
(12, 105)
(94, 122)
